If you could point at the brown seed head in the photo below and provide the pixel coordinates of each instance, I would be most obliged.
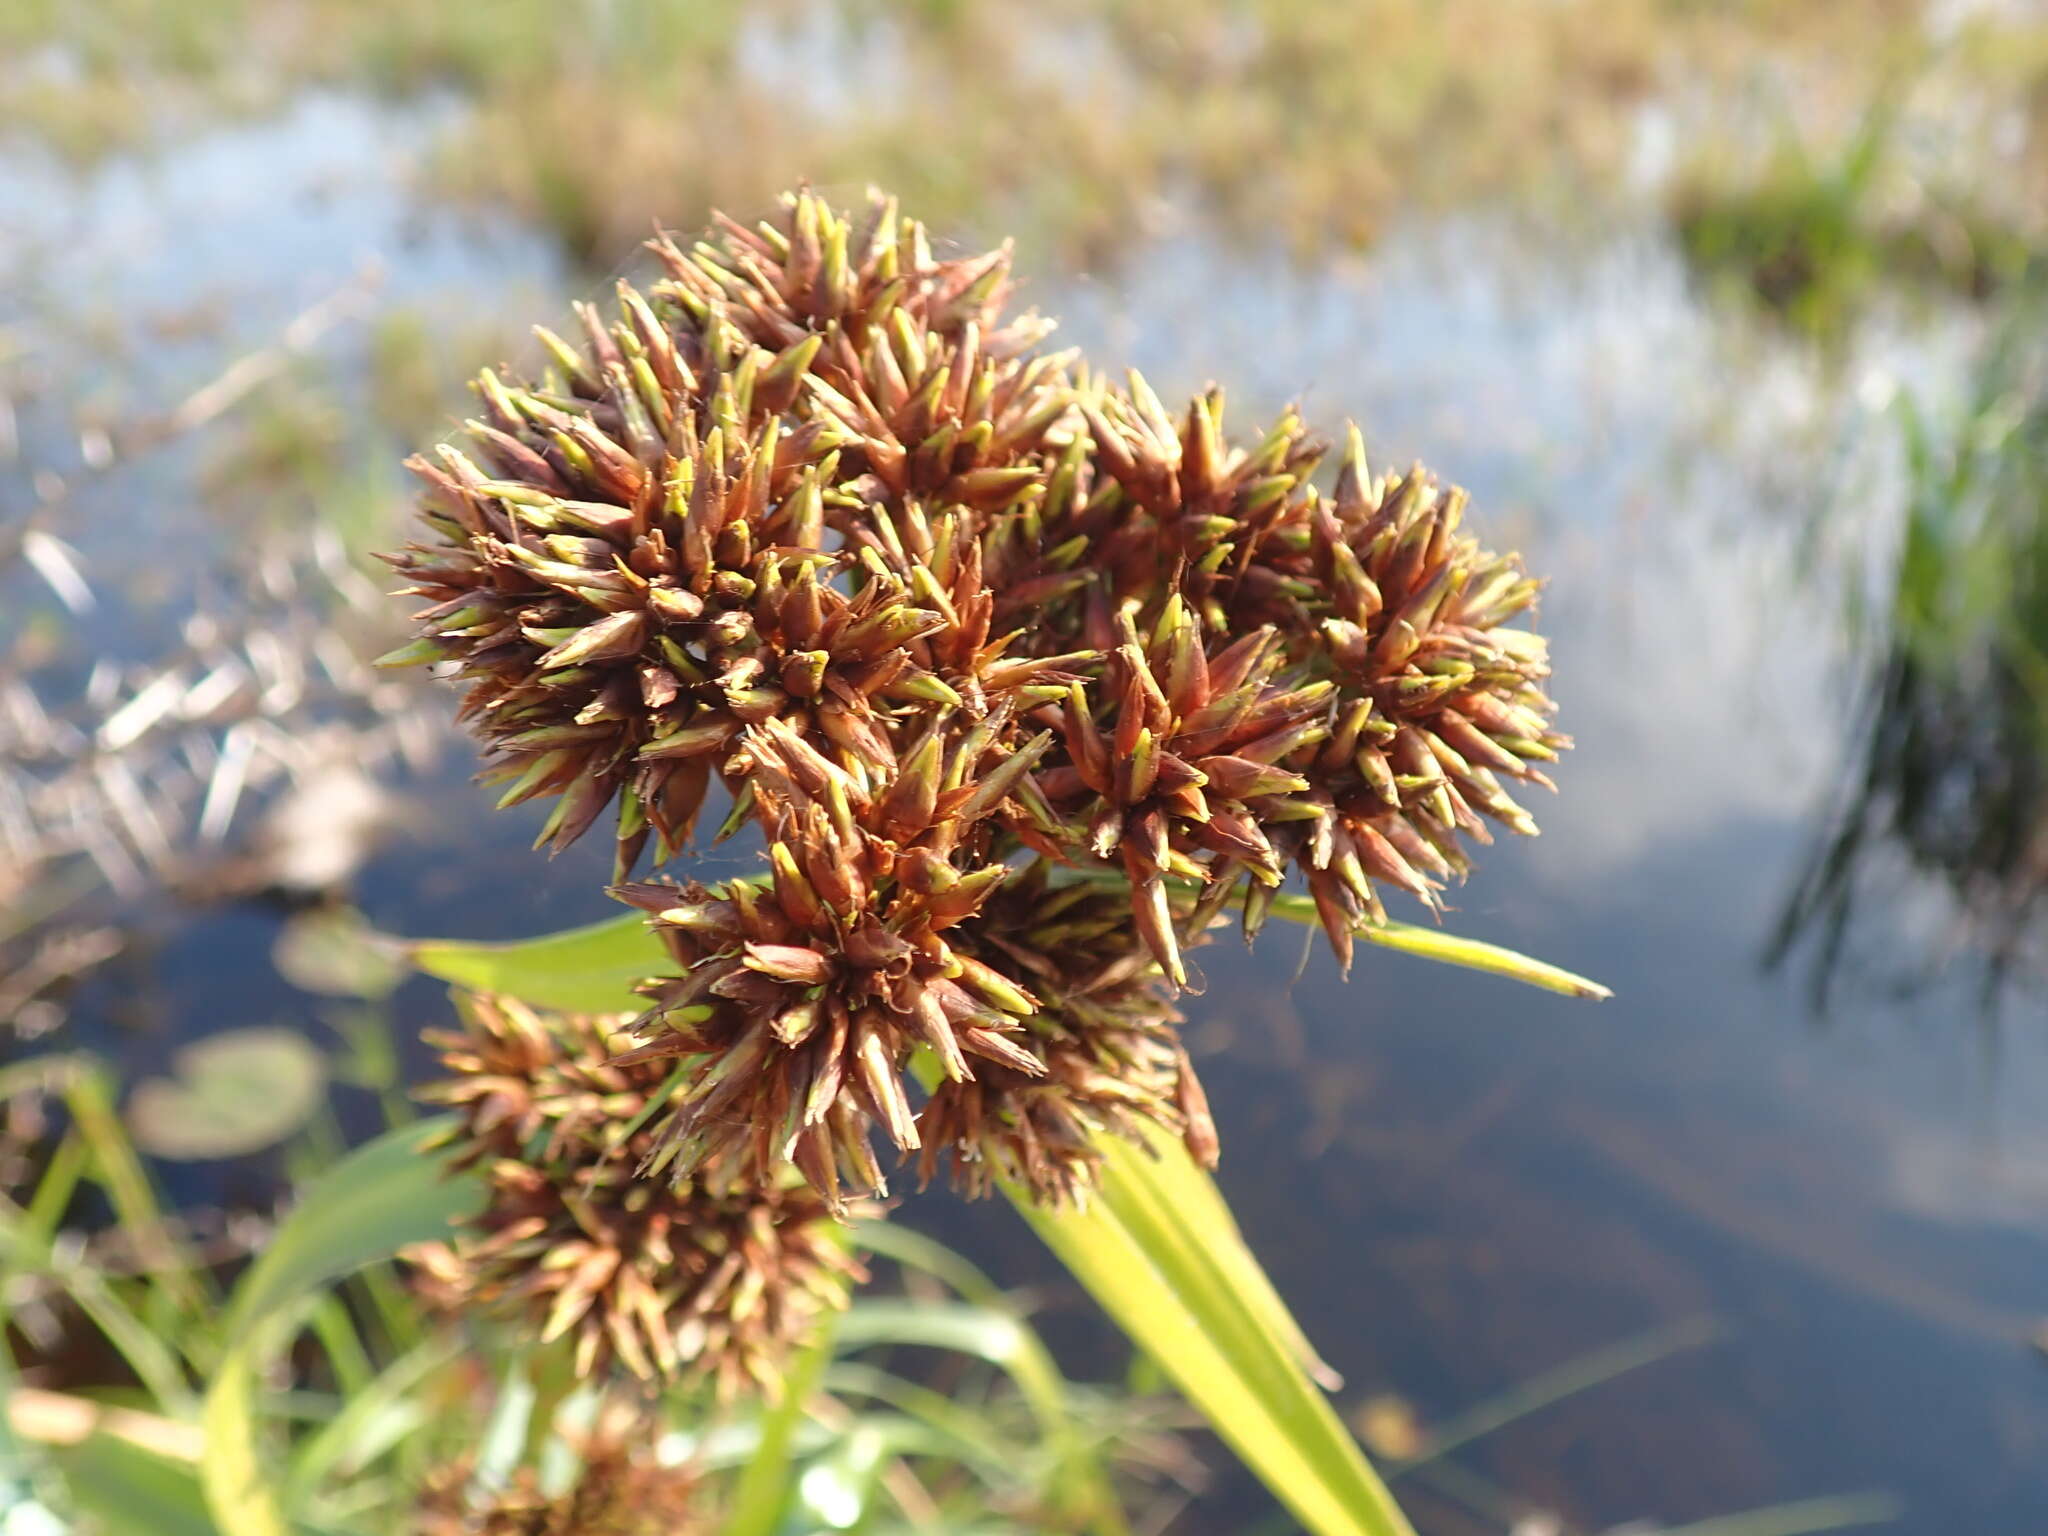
(1105, 1036)
(713, 1276)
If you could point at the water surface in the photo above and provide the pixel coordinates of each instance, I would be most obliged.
(1456, 1181)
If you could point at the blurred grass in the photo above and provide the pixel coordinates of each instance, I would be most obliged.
(1948, 774)
(1815, 236)
(364, 1392)
(1311, 124)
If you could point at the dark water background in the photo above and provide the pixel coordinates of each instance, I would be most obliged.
(1457, 1182)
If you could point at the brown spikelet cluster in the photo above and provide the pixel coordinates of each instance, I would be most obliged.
(1106, 1052)
(648, 549)
(957, 627)
(714, 1275)
(621, 1490)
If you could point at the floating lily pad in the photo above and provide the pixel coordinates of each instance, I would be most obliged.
(335, 952)
(234, 1093)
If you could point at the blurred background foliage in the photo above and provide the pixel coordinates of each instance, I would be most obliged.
(1314, 123)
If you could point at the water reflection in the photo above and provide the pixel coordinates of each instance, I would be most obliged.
(1948, 778)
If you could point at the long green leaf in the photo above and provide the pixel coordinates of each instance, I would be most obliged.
(1115, 1268)
(1184, 1182)
(1204, 1259)
(379, 1198)
(1174, 1274)
(1592, 1369)
(1162, 1255)
(580, 970)
(1449, 949)
(1805, 1518)
(1408, 939)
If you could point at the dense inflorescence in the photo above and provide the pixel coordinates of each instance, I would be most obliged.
(988, 650)
(713, 1275)
(1105, 1048)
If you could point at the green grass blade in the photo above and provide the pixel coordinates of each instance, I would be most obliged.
(1408, 939)
(1449, 949)
(764, 1487)
(913, 1250)
(580, 970)
(1804, 1518)
(1595, 1368)
(1143, 1278)
(353, 1438)
(89, 1094)
(156, 1365)
(375, 1201)
(976, 1442)
(1211, 1270)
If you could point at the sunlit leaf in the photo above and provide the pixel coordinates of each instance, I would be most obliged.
(1184, 1182)
(1449, 949)
(233, 1093)
(580, 970)
(1178, 1282)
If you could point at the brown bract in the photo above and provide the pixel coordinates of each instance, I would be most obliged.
(800, 1000)
(1437, 697)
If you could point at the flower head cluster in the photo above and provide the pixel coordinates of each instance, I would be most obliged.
(1020, 678)
(713, 1275)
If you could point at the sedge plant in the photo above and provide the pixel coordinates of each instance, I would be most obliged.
(1023, 686)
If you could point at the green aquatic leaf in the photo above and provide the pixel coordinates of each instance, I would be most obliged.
(579, 970)
(335, 952)
(232, 1093)
(381, 1197)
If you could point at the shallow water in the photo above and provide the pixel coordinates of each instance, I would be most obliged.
(1457, 1182)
